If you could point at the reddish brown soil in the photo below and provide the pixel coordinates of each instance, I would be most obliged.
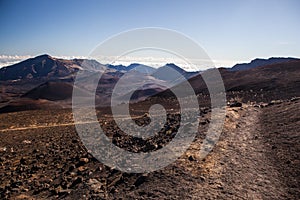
(257, 157)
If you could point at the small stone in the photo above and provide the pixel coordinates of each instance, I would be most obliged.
(23, 161)
(81, 168)
(235, 104)
(202, 178)
(220, 187)
(78, 180)
(25, 189)
(191, 158)
(73, 174)
(16, 190)
(295, 99)
(112, 190)
(95, 185)
(2, 159)
(202, 122)
(35, 151)
(3, 149)
(140, 180)
(74, 141)
(84, 160)
(26, 142)
(99, 169)
(61, 191)
(72, 167)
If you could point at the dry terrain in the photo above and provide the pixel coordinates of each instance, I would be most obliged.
(257, 157)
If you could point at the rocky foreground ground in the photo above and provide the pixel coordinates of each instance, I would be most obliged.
(257, 157)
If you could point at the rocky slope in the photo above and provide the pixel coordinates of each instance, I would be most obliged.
(257, 157)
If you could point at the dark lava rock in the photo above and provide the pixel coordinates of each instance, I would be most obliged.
(140, 180)
(82, 161)
(23, 161)
(78, 180)
(235, 104)
(191, 158)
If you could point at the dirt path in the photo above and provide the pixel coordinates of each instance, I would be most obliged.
(239, 165)
(53, 125)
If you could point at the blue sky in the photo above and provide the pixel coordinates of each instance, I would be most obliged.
(230, 31)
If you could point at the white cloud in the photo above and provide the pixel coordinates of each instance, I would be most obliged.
(188, 65)
(6, 60)
(227, 63)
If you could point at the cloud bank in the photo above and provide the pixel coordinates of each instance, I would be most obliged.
(7, 60)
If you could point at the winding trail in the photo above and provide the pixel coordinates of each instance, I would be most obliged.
(238, 166)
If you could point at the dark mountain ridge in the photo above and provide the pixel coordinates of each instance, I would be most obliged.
(134, 66)
(166, 73)
(43, 66)
(274, 81)
(261, 62)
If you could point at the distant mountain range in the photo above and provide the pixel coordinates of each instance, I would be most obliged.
(134, 66)
(261, 62)
(51, 79)
(45, 66)
(47, 82)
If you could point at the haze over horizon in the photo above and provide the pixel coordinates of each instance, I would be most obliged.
(230, 32)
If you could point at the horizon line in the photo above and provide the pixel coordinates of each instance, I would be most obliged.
(8, 60)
